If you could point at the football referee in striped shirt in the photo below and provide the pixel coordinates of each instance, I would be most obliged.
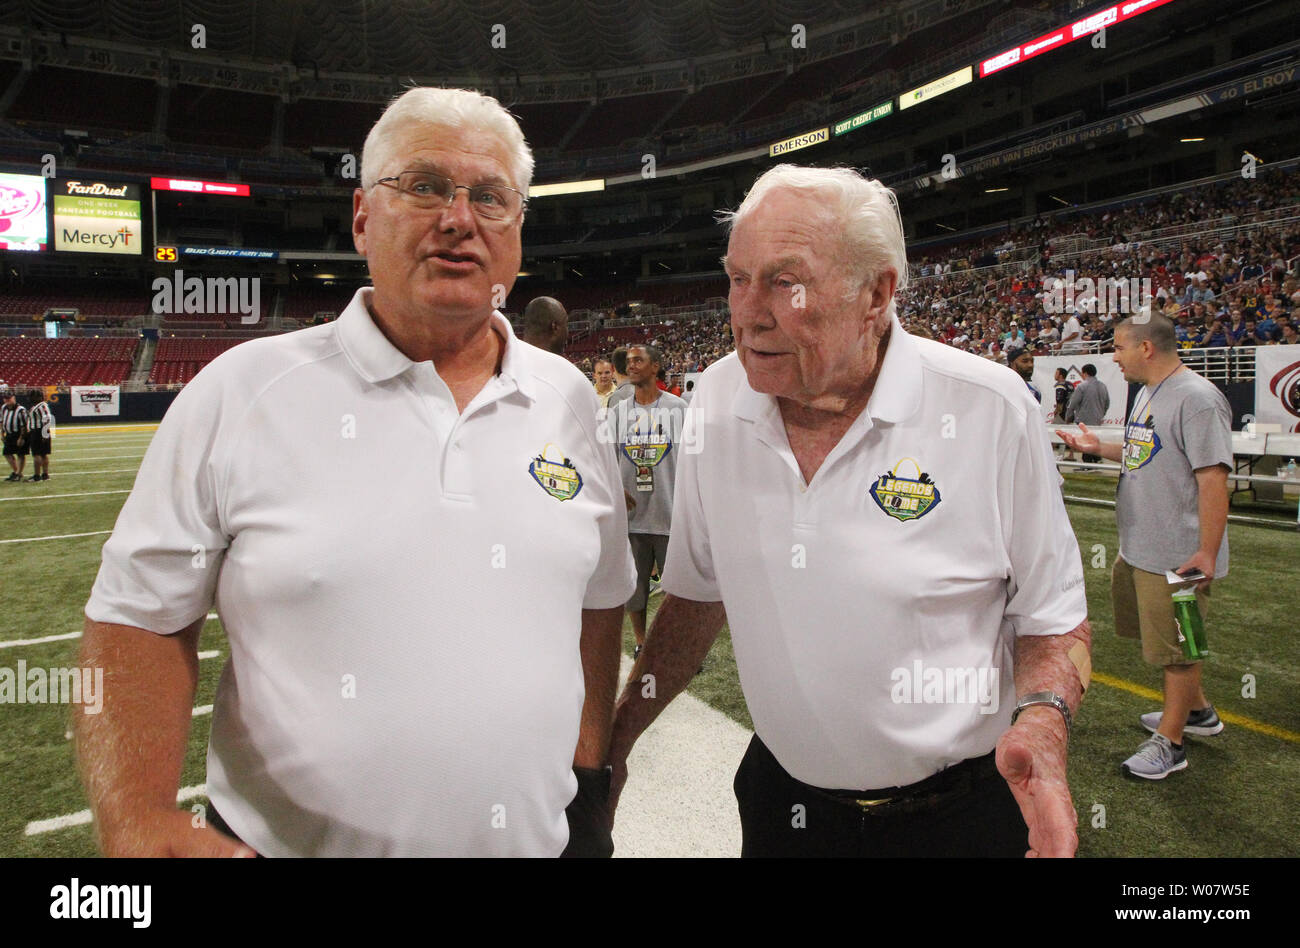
(13, 423)
(40, 435)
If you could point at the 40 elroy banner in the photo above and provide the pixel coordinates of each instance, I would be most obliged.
(1277, 386)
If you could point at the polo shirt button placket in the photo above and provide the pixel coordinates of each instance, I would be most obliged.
(805, 513)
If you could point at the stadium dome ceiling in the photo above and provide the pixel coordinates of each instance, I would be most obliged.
(428, 37)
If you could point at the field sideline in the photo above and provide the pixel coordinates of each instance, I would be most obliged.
(1235, 799)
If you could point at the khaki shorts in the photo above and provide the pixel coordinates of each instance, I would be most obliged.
(1144, 608)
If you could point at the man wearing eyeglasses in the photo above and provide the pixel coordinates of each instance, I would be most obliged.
(422, 664)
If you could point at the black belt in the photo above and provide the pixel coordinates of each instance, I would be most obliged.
(947, 784)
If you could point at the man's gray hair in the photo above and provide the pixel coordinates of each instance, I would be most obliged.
(872, 226)
(454, 109)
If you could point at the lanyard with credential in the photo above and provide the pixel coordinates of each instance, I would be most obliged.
(1138, 414)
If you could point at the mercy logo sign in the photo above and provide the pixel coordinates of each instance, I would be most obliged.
(77, 238)
(97, 217)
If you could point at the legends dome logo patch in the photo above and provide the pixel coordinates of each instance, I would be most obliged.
(560, 479)
(905, 498)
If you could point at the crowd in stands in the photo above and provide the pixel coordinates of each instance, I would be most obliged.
(691, 344)
(1222, 261)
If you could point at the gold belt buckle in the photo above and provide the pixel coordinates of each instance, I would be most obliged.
(871, 804)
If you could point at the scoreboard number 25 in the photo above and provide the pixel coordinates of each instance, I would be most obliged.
(164, 254)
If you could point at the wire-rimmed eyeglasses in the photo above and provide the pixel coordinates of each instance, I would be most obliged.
(428, 189)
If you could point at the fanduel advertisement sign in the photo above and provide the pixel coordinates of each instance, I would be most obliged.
(96, 216)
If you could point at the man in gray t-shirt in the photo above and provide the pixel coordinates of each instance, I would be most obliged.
(1172, 510)
(647, 429)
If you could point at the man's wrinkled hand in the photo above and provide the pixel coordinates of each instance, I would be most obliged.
(1031, 758)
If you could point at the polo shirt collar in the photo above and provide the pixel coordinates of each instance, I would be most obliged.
(897, 394)
(896, 397)
(378, 360)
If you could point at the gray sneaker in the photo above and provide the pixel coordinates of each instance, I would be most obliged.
(1155, 759)
(1202, 723)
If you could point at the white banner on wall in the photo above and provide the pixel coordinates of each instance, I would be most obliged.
(1277, 386)
(1108, 374)
(90, 401)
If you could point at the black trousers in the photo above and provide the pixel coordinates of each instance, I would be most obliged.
(220, 825)
(972, 814)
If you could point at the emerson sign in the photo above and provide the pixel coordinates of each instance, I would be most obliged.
(800, 141)
(96, 216)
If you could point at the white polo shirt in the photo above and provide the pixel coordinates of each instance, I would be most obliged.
(874, 611)
(401, 584)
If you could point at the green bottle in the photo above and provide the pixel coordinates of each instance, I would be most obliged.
(1191, 630)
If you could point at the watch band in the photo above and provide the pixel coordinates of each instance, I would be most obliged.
(1049, 698)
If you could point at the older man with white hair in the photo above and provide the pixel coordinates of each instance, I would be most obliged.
(877, 518)
(423, 665)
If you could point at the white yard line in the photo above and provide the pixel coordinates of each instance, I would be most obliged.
(60, 536)
(678, 801)
(15, 643)
(76, 635)
(86, 444)
(60, 472)
(82, 817)
(67, 457)
(84, 493)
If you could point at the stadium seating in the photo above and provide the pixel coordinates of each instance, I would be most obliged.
(305, 301)
(176, 361)
(66, 361)
(85, 100)
(103, 304)
(199, 114)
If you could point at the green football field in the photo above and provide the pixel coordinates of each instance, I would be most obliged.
(1237, 797)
